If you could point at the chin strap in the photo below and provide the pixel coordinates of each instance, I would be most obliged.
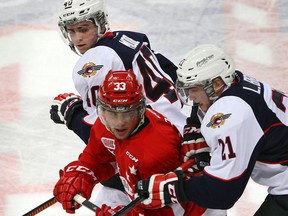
(142, 121)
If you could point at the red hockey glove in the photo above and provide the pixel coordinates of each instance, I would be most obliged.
(107, 211)
(161, 189)
(194, 146)
(75, 179)
(64, 106)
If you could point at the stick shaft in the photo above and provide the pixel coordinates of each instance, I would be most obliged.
(41, 207)
(130, 206)
(82, 201)
(186, 165)
(79, 199)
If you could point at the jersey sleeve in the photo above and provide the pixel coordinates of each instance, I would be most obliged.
(97, 157)
(233, 153)
(79, 126)
(167, 66)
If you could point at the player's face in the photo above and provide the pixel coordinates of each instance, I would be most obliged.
(122, 124)
(199, 96)
(83, 35)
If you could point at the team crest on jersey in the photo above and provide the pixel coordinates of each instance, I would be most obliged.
(218, 120)
(109, 144)
(89, 69)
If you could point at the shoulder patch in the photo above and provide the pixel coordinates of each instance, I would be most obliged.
(89, 69)
(218, 120)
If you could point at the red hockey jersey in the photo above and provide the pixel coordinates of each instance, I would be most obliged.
(155, 148)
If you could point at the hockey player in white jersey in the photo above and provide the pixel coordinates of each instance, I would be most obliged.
(84, 26)
(245, 123)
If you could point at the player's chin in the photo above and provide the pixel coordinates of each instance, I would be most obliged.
(82, 48)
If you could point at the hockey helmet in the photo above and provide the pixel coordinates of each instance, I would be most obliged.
(200, 66)
(121, 92)
(74, 11)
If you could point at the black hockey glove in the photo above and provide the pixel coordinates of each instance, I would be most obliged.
(64, 106)
(161, 189)
(194, 146)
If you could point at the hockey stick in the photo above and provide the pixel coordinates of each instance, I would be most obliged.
(130, 206)
(79, 199)
(186, 165)
(82, 201)
(41, 207)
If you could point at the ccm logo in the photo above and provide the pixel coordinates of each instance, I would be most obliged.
(81, 169)
(120, 100)
(131, 156)
(191, 129)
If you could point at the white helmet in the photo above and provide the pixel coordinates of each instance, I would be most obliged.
(200, 66)
(75, 11)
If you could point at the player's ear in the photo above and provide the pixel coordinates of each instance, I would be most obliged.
(218, 85)
(103, 30)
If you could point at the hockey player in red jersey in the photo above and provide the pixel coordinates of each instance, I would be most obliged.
(85, 28)
(138, 140)
(245, 123)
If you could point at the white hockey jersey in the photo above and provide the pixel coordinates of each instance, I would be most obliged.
(247, 130)
(122, 51)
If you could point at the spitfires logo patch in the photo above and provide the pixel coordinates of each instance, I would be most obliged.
(218, 120)
(89, 69)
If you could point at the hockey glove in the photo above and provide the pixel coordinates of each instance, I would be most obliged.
(64, 106)
(75, 179)
(161, 189)
(194, 146)
(107, 211)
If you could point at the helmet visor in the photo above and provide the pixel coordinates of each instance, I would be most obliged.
(112, 117)
(183, 93)
(126, 113)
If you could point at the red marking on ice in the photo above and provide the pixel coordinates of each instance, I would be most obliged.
(10, 29)
(10, 181)
(6, 175)
(9, 177)
(9, 93)
(268, 37)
